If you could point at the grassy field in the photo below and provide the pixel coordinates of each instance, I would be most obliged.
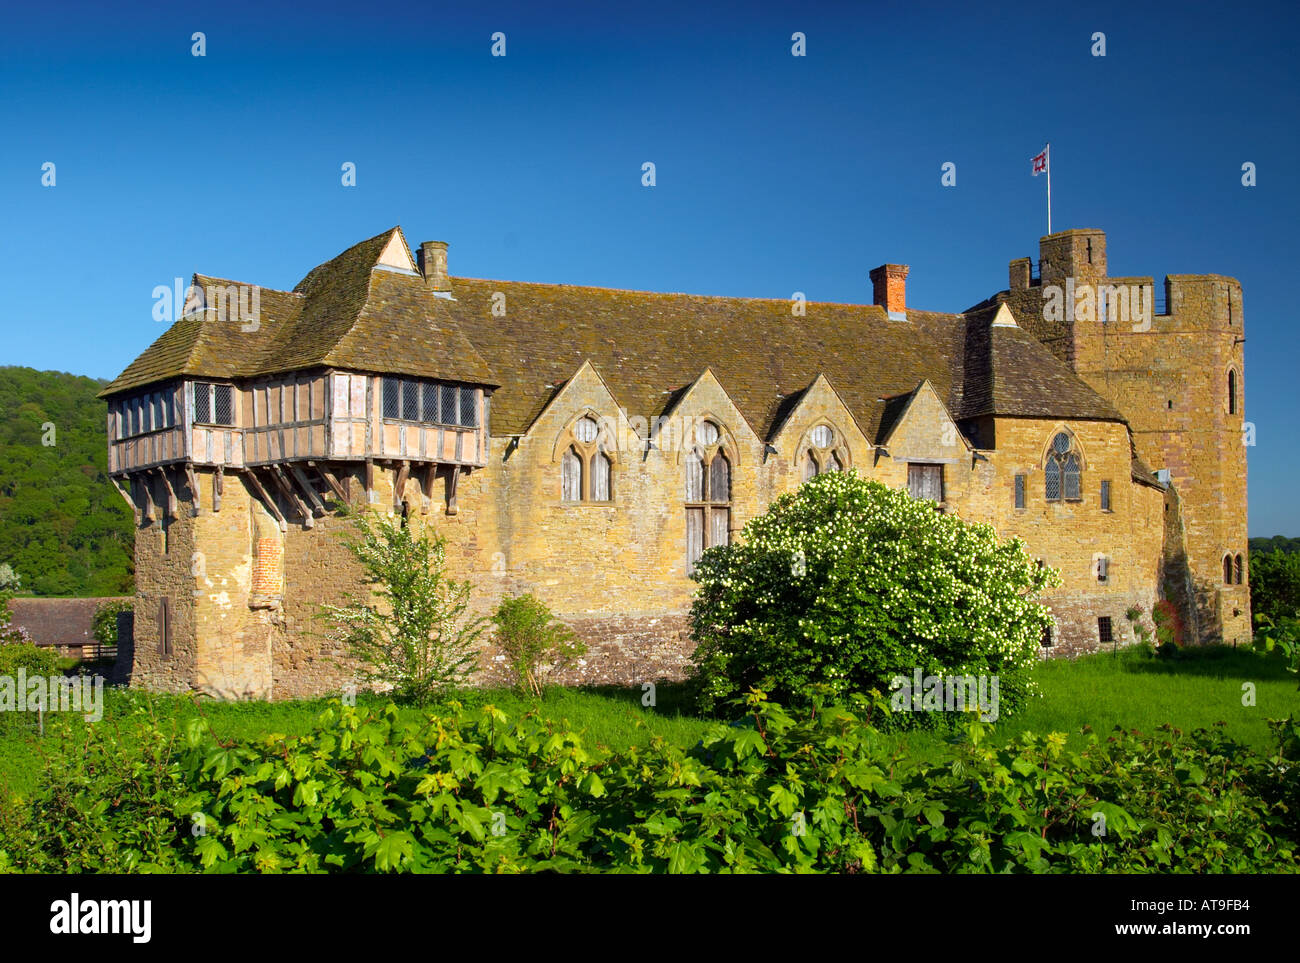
(1130, 689)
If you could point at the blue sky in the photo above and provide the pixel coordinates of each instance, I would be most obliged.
(774, 173)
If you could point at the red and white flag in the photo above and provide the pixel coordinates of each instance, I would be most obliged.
(1040, 162)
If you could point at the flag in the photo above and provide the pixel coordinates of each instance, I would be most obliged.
(1040, 162)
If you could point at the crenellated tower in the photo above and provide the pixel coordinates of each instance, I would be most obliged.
(1171, 360)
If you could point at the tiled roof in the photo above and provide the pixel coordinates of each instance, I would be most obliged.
(649, 347)
(346, 313)
(1009, 372)
(57, 621)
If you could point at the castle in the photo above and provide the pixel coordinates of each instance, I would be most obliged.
(587, 444)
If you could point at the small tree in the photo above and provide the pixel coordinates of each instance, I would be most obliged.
(534, 642)
(414, 632)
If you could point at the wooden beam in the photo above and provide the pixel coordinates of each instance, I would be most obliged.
(193, 481)
(305, 483)
(171, 492)
(333, 482)
(217, 484)
(400, 484)
(452, 477)
(267, 500)
(286, 487)
(426, 487)
(145, 482)
(135, 509)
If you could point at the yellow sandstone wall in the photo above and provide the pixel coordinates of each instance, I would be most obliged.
(617, 572)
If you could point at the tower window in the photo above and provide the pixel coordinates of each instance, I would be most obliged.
(1103, 570)
(1047, 637)
(1227, 570)
(1105, 496)
(411, 399)
(1020, 491)
(213, 404)
(1063, 470)
(1104, 631)
(1237, 568)
(1232, 392)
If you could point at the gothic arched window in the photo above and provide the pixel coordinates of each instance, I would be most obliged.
(1063, 470)
(586, 468)
(1227, 570)
(1237, 568)
(708, 494)
(825, 452)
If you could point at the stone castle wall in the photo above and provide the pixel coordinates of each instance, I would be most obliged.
(617, 572)
(1168, 373)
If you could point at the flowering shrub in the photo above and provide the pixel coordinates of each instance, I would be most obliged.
(846, 583)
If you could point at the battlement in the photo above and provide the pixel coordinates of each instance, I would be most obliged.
(1072, 268)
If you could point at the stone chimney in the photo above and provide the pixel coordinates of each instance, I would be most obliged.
(889, 289)
(433, 265)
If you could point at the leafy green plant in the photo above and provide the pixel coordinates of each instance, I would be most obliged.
(534, 642)
(33, 659)
(414, 632)
(104, 622)
(815, 790)
(847, 583)
(1283, 635)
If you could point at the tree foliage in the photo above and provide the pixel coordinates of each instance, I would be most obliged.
(847, 583)
(413, 631)
(63, 527)
(1275, 584)
(533, 640)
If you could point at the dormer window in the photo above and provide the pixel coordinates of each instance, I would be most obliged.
(214, 404)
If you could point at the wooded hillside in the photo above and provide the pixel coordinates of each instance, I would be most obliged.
(63, 528)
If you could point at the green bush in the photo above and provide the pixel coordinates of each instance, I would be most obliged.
(817, 791)
(104, 622)
(36, 660)
(533, 641)
(847, 584)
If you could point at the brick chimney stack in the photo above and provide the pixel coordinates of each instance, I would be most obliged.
(433, 265)
(889, 288)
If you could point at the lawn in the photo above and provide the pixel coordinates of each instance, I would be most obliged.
(1131, 689)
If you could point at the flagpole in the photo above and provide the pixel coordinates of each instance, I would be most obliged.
(1049, 187)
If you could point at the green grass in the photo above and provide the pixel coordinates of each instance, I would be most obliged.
(1131, 689)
